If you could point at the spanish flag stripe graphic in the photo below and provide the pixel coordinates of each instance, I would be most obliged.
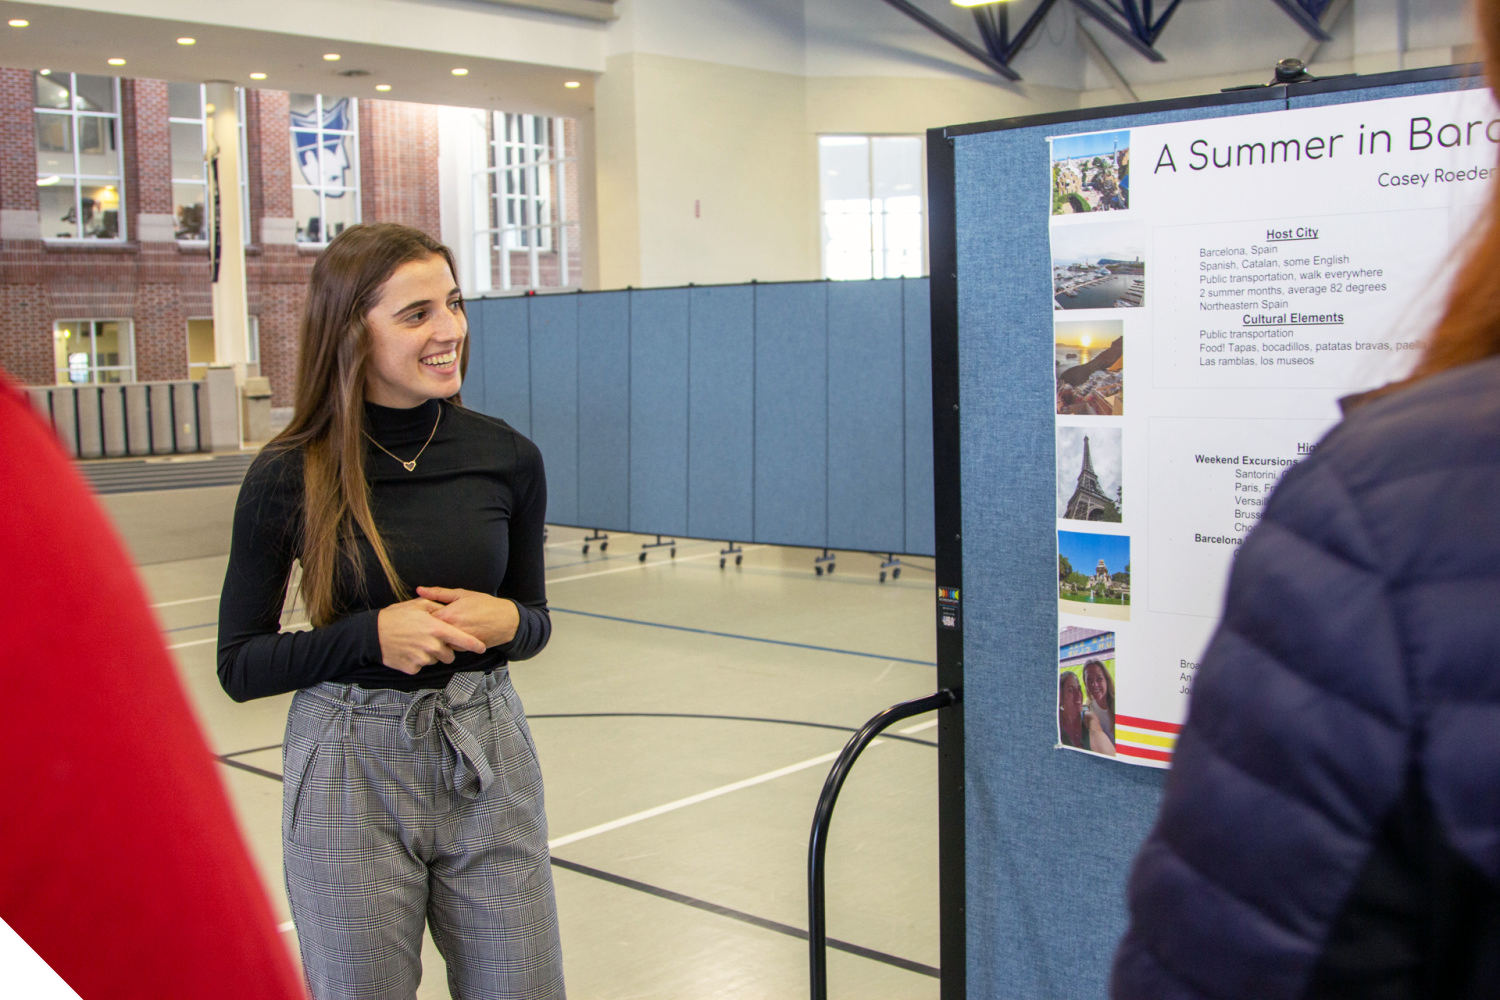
(1161, 727)
(1150, 739)
(1130, 751)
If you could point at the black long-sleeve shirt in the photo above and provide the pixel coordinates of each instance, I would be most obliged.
(469, 516)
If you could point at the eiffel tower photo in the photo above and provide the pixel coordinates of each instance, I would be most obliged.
(1089, 501)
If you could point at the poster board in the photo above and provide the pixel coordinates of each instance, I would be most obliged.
(1048, 829)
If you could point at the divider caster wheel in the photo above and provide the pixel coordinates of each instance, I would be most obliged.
(674, 552)
(818, 570)
(643, 557)
(738, 560)
(721, 562)
(585, 548)
(896, 573)
(882, 576)
(603, 546)
(830, 569)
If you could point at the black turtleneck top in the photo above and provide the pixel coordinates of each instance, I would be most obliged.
(469, 516)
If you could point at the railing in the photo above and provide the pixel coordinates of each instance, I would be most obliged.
(142, 418)
(817, 928)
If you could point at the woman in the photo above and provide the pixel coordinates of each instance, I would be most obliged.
(1331, 824)
(1070, 727)
(412, 793)
(1101, 707)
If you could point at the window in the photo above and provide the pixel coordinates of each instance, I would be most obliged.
(78, 156)
(200, 344)
(90, 350)
(200, 347)
(530, 183)
(325, 166)
(189, 125)
(873, 206)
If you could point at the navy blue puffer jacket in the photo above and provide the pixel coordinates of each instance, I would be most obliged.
(1331, 825)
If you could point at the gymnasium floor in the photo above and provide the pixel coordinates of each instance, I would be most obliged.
(686, 717)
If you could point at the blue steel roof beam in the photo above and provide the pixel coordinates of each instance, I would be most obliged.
(993, 30)
(1161, 22)
(1142, 43)
(1308, 14)
(1012, 46)
(939, 28)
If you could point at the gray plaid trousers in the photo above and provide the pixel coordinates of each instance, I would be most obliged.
(401, 808)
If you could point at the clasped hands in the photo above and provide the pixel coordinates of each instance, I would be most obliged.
(440, 621)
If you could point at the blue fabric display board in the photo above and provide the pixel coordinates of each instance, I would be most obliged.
(792, 414)
(1036, 876)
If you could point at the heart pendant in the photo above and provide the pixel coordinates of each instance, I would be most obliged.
(410, 466)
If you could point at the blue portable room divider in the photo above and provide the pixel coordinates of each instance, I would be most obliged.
(790, 414)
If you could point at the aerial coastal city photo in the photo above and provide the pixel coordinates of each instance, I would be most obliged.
(1091, 173)
(1098, 266)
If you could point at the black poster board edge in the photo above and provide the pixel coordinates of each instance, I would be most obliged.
(948, 546)
(1330, 85)
(946, 428)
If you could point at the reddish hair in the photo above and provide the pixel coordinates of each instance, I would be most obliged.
(1470, 327)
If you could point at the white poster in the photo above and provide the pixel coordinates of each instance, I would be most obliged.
(1231, 278)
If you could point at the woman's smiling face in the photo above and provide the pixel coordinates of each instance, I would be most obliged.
(417, 327)
(1071, 701)
(1098, 684)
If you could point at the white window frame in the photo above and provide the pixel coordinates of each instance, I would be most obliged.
(878, 219)
(523, 188)
(203, 122)
(350, 191)
(127, 331)
(74, 113)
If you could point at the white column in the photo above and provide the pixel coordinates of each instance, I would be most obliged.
(230, 299)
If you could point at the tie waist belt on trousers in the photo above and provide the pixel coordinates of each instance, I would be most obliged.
(449, 712)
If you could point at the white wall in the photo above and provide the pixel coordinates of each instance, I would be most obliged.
(720, 102)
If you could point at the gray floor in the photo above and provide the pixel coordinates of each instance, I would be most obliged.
(685, 717)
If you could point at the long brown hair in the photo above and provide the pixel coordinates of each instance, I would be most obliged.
(328, 420)
(1470, 328)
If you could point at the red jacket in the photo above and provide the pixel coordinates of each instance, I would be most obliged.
(120, 862)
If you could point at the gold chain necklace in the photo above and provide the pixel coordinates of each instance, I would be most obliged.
(412, 465)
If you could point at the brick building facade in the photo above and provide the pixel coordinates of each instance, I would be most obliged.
(157, 282)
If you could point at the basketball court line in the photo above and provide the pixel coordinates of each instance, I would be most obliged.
(637, 565)
(745, 638)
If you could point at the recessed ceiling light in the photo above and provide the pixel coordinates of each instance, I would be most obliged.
(18, 22)
(460, 71)
(382, 86)
(187, 41)
(257, 76)
(116, 61)
(572, 85)
(331, 56)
